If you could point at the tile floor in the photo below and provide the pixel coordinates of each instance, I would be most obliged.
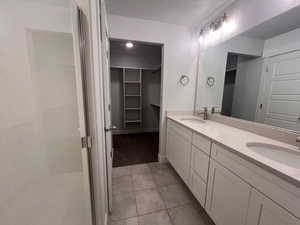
(153, 194)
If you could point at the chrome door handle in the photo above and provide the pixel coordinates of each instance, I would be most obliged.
(110, 128)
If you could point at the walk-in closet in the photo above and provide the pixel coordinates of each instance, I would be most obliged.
(135, 101)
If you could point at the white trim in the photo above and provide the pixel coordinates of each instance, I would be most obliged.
(136, 68)
(137, 130)
(80, 107)
(162, 158)
(98, 85)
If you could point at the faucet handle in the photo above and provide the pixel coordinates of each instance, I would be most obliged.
(213, 109)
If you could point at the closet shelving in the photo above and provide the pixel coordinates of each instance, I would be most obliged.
(132, 92)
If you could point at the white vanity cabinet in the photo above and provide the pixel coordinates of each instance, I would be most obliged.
(189, 153)
(227, 196)
(232, 189)
(200, 158)
(252, 195)
(179, 148)
(263, 211)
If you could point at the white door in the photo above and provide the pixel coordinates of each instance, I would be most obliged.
(263, 211)
(227, 196)
(107, 101)
(85, 98)
(280, 102)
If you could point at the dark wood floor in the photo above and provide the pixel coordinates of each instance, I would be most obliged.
(132, 149)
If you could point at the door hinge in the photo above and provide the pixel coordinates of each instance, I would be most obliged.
(86, 142)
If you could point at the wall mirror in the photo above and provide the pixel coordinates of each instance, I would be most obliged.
(256, 74)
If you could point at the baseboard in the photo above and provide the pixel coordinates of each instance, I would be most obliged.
(162, 158)
(134, 131)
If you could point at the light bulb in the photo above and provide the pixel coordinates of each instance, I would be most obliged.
(129, 44)
(201, 39)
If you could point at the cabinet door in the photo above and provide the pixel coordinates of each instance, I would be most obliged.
(263, 211)
(227, 197)
(198, 187)
(178, 154)
(199, 163)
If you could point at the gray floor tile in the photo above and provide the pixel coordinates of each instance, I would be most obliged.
(155, 166)
(139, 169)
(121, 171)
(175, 195)
(148, 201)
(130, 221)
(124, 206)
(143, 181)
(157, 218)
(166, 177)
(122, 184)
(191, 214)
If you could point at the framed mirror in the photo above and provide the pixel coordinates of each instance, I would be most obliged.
(256, 74)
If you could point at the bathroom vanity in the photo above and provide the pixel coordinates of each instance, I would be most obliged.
(240, 178)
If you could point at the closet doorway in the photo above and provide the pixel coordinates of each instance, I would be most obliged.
(135, 69)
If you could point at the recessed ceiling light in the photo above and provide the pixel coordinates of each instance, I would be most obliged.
(129, 44)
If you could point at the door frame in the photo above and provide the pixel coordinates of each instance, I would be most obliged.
(163, 112)
(95, 182)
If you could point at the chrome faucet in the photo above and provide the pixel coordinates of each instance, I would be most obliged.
(204, 112)
(214, 109)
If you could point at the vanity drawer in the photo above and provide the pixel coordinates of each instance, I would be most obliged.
(198, 187)
(180, 130)
(201, 142)
(200, 163)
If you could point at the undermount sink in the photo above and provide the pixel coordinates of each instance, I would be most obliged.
(279, 154)
(192, 119)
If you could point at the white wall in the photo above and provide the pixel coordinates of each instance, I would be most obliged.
(40, 163)
(146, 56)
(179, 57)
(286, 42)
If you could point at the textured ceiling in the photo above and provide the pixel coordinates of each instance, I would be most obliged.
(181, 12)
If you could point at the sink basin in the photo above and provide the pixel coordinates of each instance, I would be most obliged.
(192, 120)
(282, 155)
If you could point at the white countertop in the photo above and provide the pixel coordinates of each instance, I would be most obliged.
(237, 139)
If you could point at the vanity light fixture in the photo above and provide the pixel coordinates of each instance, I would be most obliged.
(201, 36)
(212, 31)
(129, 44)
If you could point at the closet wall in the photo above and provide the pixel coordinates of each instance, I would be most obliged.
(148, 58)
